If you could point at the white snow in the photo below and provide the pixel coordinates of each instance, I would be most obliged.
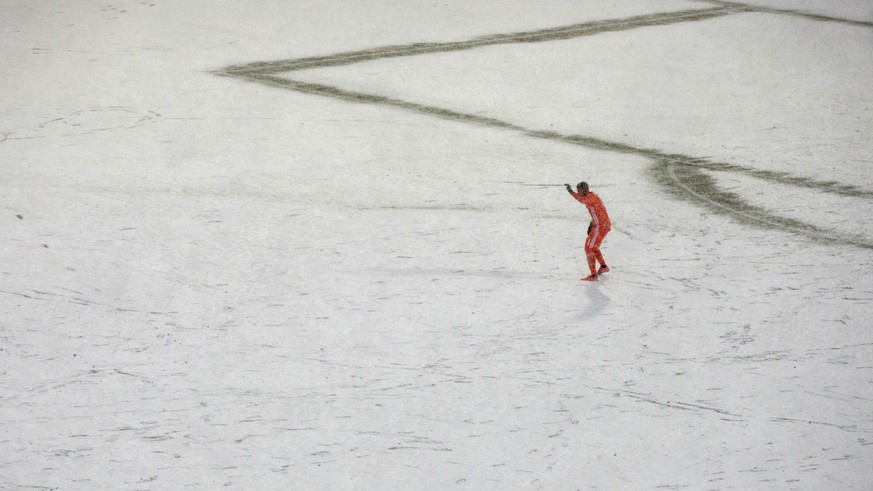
(212, 283)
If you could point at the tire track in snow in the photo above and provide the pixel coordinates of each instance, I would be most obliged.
(681, 176)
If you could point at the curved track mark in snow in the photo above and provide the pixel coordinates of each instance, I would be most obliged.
(703, 189)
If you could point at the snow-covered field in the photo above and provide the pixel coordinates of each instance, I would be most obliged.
(222, 270)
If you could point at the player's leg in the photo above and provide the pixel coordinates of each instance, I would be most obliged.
(590, 254)
(597, 254)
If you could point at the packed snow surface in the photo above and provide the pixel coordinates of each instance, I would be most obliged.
(226, 268)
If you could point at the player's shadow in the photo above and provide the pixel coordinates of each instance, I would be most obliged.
(597, 302)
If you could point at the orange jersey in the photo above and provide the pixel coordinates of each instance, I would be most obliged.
(595, 208)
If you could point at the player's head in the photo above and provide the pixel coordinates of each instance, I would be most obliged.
(582, 188)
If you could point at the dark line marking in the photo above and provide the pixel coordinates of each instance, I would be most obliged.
(553, 34)
(680, 175)
(795, 13)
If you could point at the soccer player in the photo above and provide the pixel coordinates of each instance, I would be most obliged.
(597, 229)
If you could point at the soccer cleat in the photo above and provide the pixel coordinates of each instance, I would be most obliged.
(603, 269)
(590, 278)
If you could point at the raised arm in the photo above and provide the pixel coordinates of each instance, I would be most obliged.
(574, 194)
